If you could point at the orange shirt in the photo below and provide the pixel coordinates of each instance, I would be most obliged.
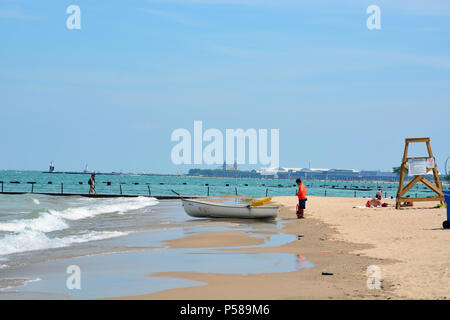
(301, 191)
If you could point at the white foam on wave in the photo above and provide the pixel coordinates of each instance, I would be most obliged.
(53, 220)
(30, 240)
(94, 236)
(119, 206)
(36, 201)
(46, 222)
(22, 284)
(29, 233)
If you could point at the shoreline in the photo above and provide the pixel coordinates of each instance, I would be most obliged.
(411, 252)
(318, 244)
(324, 256)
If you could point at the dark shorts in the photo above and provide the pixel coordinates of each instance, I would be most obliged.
(302, 203)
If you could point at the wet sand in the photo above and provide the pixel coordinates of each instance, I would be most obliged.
(216, 239)
(409, 246)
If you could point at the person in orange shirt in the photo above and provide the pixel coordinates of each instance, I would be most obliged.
(301, 198)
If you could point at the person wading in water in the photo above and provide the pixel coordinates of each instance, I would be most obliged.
(92, 184)
(301, 198)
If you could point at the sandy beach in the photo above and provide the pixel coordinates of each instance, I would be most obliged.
(412, 238)
(409, 246)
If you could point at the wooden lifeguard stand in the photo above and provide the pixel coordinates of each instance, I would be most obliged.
(437, 187)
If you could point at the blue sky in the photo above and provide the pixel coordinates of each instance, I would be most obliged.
(111, 94)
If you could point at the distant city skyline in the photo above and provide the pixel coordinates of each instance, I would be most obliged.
(52, 167)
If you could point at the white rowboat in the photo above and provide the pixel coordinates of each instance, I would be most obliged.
(203, 209)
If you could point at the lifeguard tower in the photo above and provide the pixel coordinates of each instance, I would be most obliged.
(419, 167)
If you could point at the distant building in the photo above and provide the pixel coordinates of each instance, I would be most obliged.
(224, 166)
(298, 173)
(327, 174)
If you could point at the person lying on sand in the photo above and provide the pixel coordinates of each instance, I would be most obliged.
(375, 203)
(407, 204)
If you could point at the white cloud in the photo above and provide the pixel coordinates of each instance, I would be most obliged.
(217, 2)
(236, 52)
(419, 7)
(18, 13)
(393, 58)
(173, 16)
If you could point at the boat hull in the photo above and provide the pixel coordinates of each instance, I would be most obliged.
(203, 209)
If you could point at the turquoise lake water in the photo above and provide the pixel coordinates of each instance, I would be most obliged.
(162, 185)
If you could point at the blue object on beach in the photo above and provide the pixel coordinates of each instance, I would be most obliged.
(446, 223)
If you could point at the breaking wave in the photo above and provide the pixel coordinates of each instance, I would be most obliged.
(30, 240)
